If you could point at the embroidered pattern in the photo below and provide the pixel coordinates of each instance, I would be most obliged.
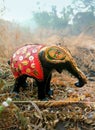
(55, 54)
(26, 61)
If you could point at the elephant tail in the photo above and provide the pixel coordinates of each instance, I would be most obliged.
(9, 62)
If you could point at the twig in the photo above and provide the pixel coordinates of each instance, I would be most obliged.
(36, 107)
(59, 103)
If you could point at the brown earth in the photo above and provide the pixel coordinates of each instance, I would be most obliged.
(70, 109)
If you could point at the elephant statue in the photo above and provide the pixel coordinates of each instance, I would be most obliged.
(38, 61)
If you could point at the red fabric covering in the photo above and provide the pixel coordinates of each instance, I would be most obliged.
(25, 61)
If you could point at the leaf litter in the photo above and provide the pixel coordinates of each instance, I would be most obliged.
(70, 108)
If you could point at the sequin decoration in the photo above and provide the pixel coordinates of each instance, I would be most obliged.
(20, 67)
(31, 58)
(28, 70)
(33, 65)
(26, 61)
(27, 54)
(34, 51)
(21, 58)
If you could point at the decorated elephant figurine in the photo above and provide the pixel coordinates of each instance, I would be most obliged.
(38, 61)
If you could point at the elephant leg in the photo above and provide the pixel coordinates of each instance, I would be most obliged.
(41, 89)
(16, 86)
(20, 82)
(49, 91)
(23, 82)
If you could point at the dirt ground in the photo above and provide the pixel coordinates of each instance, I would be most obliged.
(71, 108)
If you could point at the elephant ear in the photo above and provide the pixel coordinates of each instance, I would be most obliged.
(55, 54)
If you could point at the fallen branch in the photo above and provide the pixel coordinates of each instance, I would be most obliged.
(59, 103)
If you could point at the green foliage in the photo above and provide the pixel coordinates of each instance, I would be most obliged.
(80, 13)
(49, 20)
(52, 19)
(42, 18)
(83, 20)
